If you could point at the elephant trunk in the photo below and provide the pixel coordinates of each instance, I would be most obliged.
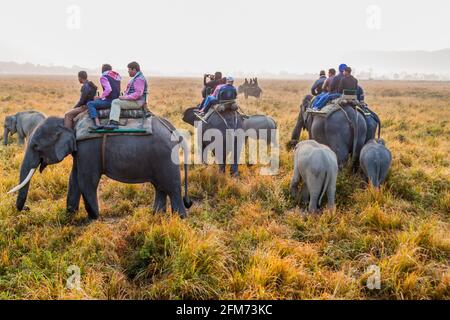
(5, 136)
(29, 166)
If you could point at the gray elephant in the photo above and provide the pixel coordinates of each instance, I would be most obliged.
(22, 123)
(315, 164)
(124, 158)
(261, 123)
(344, 131)
(225, 122)
(375, 162)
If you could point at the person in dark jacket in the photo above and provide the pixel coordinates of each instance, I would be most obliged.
(348, 82)
(316, 89)
(110, 81)
(327, 84)
(360, 94)
(337, 79)
(88, 92)
(225, 91)
(210, 86)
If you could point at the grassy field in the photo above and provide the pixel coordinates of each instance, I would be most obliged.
(244, 238)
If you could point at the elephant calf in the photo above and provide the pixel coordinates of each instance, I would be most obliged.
(317, 165)
(375, 162)
(22, 123)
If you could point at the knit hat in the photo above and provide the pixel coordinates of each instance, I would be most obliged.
(342, 67)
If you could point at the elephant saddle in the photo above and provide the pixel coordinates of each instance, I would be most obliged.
(221, 107)
(133, 123)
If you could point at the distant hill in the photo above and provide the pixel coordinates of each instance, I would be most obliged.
(402, 61)
(29, 68)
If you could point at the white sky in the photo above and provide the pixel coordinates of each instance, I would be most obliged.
(205, 35)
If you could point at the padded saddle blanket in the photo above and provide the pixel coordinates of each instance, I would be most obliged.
(132, 126)
(334, 106)
(221, 107)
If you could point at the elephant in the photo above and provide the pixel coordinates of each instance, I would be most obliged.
(315, 164)
(344, 131)
(129, 159)
(22, 123)
(223, 121)
(258, 123)
(375, 162)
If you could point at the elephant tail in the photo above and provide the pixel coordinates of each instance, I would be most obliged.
(187, 201)
(326, 183)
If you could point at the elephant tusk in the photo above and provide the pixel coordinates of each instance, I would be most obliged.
(24, 183)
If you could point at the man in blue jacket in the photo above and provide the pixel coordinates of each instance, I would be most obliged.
(317, 86)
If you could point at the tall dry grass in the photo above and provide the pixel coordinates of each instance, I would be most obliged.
(244, 238)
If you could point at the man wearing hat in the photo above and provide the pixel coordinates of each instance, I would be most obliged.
(317, 86)
(337, 79)
(225, 91)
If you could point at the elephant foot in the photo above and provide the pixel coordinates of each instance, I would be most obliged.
(235, 174)
(292, 144)
(92, 218)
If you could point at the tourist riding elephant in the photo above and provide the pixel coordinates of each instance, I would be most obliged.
(226, 122)
(22, 123)
(344, 131)
(124, 158)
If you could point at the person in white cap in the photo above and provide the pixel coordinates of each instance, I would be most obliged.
(224, 92)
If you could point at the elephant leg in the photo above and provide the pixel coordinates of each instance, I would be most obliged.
(177, 203)
(294, 183)
(88, 184)
(21, 139)
(331, 195)
(314, 187)
(160, 201)
(237, 152)
(304, 194)
(73, 194)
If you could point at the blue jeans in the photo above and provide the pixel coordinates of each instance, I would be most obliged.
(207, 103)
(95, 105)
(323, 98)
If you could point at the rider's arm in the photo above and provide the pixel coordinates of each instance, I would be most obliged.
(139, 86)
(106, 87)
(84, 96)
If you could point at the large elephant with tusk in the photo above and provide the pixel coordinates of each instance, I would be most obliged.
(125, 158)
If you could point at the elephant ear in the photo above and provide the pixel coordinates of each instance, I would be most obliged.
(66, 144)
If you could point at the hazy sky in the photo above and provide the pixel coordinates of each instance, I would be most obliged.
(205, 35)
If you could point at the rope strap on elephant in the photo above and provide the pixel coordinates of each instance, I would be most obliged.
(103, 151)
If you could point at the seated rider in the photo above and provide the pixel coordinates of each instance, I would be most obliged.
(327, 84)
(88, 92)
(322, 99)
(316, 89)
(348, 82)
(224, 92)
(210, 86)
(110, 82)
(135, 96)
(360, 94)
(337, 79)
